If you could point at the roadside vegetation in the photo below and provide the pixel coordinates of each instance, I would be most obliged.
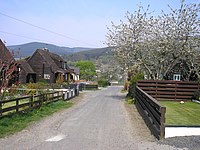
(14, 123)
(130, 100)
(103, 82)
(187, 113)
(87, 70)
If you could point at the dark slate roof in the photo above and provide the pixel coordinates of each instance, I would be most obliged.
(5, 54)
(56, 57)
(26, 67)
(50, 57)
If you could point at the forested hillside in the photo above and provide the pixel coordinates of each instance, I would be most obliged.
(28, 49)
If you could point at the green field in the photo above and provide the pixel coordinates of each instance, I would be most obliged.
(182, 114)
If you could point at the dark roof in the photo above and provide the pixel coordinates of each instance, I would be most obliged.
(5, 54)
(50, 57)
(26, 67)
(56, 57)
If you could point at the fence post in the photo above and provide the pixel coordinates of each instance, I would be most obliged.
(63, 96)
(58, 95)
(1, 108)
(77, 90)
(67, 95)
(72, 93)
(31, 101)
(175, 90)
(17, 105)
(162, 122)
(41, 99)
(156, 89)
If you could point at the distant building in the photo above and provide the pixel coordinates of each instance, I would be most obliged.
(26, 73)
(181, 71)
(75, 73)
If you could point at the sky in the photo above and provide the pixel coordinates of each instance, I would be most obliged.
(70, 23)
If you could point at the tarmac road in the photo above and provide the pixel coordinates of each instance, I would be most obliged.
(99, 121)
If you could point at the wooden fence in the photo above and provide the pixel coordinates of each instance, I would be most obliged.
(169, 90)
(88, 87)
(34, 101)
(152, 112)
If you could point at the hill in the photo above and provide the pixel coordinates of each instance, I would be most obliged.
(104, 60)
(90, 55)
(28, 49)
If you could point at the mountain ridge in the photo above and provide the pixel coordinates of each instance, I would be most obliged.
(27, 49)
(92, 55)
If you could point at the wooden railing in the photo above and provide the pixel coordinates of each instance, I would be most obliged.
(152, 112)
(34, 101)
(88, 87)
(169, 90)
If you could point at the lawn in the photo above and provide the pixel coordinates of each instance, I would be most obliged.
(182, 114)
(17, 122)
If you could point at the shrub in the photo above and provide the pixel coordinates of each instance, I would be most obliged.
(196, 95)
(103, 82)
(134, 79)
(137, 77)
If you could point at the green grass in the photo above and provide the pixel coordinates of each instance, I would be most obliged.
(182, 114)
(17, 122)
(124, 91)
(130, 100)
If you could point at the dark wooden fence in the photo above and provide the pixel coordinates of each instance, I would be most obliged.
(152, 112)
(34, 101)
(88, 87)
(169, 90)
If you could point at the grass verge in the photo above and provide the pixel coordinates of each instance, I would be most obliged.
(17, 122)
(182, 114)
(124, 91)
(130, 100)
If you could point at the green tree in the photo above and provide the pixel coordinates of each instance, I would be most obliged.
(87, 70)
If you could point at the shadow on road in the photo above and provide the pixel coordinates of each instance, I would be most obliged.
(116, 97)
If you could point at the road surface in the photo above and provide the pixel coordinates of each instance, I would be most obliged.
(99, 121)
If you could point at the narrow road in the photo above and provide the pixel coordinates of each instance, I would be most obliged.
(99, 121)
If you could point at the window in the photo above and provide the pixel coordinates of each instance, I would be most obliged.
(46, 76)
(177, 77)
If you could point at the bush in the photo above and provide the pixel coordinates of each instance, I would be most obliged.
(137, 77)
(134, 79)
(196, 95)
(103, 82)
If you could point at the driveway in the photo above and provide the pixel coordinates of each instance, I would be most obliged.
(100, 120)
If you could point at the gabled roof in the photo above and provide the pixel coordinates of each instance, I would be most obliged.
(49, 58)
(5, 54)
(56, 57)
(26, 67)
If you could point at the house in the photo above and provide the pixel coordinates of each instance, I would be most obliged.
(179, 72)
(26, 73)
(8, 67)
(5, 56)
(48, 66)
(74, 74)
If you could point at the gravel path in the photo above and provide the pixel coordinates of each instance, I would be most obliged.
(100, 120)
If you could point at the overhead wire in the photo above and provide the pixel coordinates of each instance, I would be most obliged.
(44, 29)
(26, 37)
